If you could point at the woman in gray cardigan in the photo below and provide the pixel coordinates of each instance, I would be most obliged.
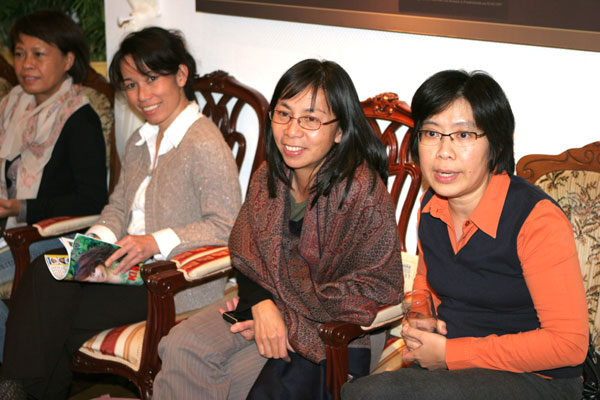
(178, 190)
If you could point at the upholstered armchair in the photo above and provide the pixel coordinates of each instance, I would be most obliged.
(391, 120)
(101, 96)
(572, 178)
(131, 351)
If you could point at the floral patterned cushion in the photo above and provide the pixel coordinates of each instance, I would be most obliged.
(578, 194)
(102, 106)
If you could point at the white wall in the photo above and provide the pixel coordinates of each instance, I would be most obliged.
(555, 93)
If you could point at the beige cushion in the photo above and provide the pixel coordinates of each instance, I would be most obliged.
(578, 193)
(391, 358)
(5, 290)
(102, 106)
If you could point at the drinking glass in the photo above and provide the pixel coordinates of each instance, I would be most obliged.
(419, 310)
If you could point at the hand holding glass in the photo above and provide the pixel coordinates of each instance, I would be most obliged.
(419, 310)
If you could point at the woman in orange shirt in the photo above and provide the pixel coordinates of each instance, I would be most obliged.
(497, 253)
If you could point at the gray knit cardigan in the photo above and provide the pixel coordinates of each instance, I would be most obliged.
(194, 189)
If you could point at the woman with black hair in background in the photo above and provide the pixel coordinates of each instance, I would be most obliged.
(315, 241)
(178, 190)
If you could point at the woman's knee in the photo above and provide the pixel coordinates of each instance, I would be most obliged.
(189, 336)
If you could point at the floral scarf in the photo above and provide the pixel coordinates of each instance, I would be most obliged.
(343, 267)
(31, 131)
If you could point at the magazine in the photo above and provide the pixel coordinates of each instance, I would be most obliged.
(84, 262)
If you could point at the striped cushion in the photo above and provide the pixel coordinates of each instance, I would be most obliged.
(196, 263)
(60, 225)
(122, 344)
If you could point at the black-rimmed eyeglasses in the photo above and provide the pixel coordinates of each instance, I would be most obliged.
(460, 138)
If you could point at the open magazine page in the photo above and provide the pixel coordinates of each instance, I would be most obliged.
(85, 263)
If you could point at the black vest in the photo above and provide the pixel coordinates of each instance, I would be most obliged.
(482, 288)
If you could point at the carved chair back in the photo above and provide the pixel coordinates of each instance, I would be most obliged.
(391, 120)
(224, 98)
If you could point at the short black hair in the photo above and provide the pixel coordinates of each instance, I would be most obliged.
(358, 143)
(55, 28)
(491, 110)
(157, 50)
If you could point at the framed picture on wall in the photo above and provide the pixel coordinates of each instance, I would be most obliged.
(571, 24)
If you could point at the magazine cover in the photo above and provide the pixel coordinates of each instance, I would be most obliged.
(85, 263)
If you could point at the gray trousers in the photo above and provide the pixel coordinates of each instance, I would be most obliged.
(202, 359)
(468, 384)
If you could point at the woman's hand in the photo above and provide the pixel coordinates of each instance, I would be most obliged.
(270, 331)
(425, 348)
(244, 328)
(9, 208)
(135, 248)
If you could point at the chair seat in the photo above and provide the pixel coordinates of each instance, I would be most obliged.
(122, 344)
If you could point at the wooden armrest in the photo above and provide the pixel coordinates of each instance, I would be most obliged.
(336, 336)
(156, 267)
(164, 279)
(61, 225)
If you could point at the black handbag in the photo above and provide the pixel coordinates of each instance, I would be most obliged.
(591, 375)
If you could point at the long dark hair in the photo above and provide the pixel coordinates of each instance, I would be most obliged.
(59, 30)
(155, 50)
(490, 106)
(358, 144)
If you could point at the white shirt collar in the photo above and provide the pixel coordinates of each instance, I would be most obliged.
(176, 131)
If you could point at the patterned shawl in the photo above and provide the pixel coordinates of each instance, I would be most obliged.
(31, 131)
(345, 264)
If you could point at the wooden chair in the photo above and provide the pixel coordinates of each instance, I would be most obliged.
(101, 95)
(572, 178)
(381, 109)
(131, 351)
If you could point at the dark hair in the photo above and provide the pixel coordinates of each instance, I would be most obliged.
(358, 143)
(490, 106)
(155, 50)
(90, 259)
(59, 30)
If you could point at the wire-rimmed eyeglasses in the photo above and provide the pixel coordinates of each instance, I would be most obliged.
(306, 121)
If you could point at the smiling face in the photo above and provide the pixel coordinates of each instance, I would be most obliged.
(159, 98)
(41, 67)
(304, 150)
(460, 174)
